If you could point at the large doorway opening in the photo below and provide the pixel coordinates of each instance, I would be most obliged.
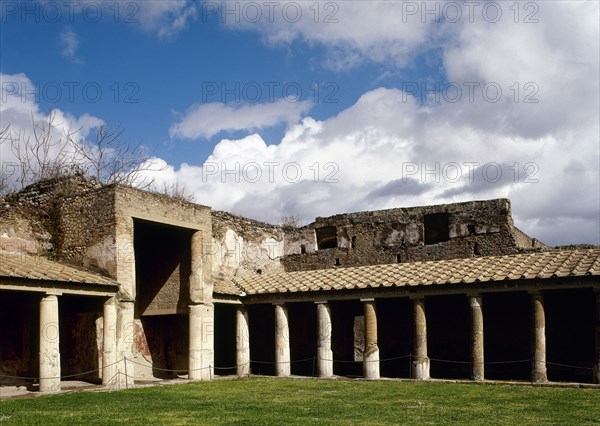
(570, 341)
(162, 268)
(261, 322)
(19, 338)
(395, 336)
(507, 336)
(449, 336)
(302, 321)
(80, 331)
(225, 339)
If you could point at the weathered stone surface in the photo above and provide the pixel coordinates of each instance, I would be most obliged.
(371, 354)
(539, 371)
(477, 355)
(482, 228)
(49, 345)
(421, 362)
(201, 356)
(324, 351)
(242, 342)
(242, 247)
(282, 341)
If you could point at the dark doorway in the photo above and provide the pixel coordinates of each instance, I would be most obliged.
(449, 336)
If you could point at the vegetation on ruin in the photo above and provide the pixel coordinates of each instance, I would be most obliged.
(271, 401)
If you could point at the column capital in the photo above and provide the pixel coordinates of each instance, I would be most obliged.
(475, 301)
(321, 302)
(367, 299)
(278, 303)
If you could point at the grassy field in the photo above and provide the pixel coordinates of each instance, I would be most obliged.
(269, 401)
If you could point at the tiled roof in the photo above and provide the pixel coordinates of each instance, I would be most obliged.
(222, 285)
(19, 265)
(528, 266)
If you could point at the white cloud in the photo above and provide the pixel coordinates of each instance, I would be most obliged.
(354, 31)
(388, 150)
(18, 107)
(167, 18)
(358, 159)
(69, 42)
(206, 120)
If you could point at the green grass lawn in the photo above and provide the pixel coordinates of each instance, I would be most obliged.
(270, 401)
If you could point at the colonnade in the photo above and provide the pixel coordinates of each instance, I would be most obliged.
(201, 343)
(420, 360)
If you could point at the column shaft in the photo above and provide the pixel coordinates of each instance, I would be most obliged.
(282, 341)
(200, 289)
(201, 350)
(597, 371)
(126, 335)
(324, 351)
(538, 373)
(421, 362)
(371, 354)
(477, 353)
(109, 344)
(49, 345)
(242, 342)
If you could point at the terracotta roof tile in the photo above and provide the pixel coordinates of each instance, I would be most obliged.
(444, 272)
(19, 265)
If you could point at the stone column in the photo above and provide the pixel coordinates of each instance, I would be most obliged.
(538, 372)
(282, 341)
(202, 316)
(421, 362)
(49, 344)
(477, 357)
(109, 344)
(371, 354)
(242, 342)
(126, 334)
(597, 371)
(324, 352)
(201, 347)
(200, 289)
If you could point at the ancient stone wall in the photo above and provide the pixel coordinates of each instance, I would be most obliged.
(244, 246)
(86, 231)
(28, 218)
(460, 230)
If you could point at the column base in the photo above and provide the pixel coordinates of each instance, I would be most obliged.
(243, 362)
(421, 369)
(539, 376)
(325, 363)
(371, 365)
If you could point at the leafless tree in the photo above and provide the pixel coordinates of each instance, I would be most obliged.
(46, 154)
(52, 150)
(178, 192)
(111, 159)
(4, 170)
(290, 222)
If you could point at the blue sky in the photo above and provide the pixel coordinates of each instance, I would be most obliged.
(418, 102)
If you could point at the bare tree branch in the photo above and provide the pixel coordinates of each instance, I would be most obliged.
(5, 169)
(113, 160)
(46, 153)
(43, 156)
(176, 191)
